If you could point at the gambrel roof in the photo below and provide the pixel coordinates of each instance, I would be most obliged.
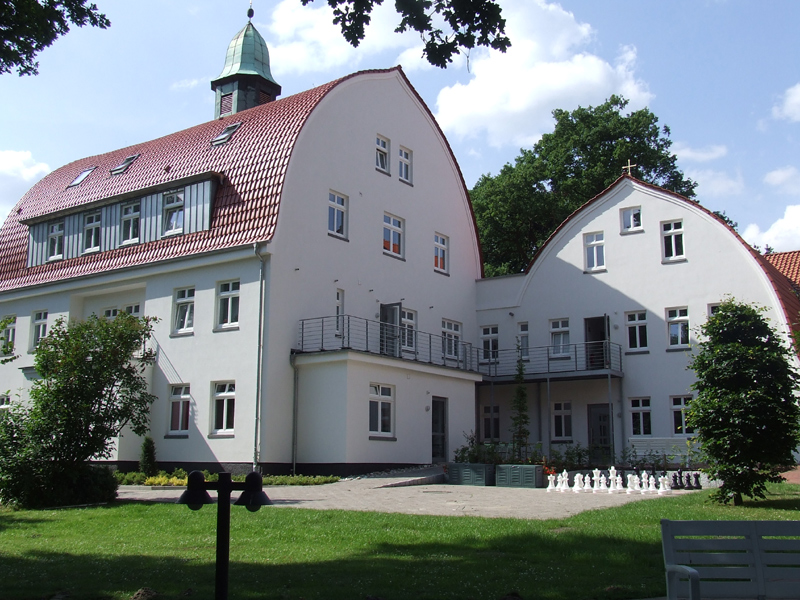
(249, 172)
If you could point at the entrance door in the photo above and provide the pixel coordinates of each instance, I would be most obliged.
(599, 434)
(438, 429)
(390, 329)
(596, 347)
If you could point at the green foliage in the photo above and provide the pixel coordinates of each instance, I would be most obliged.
(519, 411)
(30, 26)
(6, 345)
(147, 460)
(475, 452)
(574, 457)
(746, 414)
(91, 386)
(468, 24)
(517, 210)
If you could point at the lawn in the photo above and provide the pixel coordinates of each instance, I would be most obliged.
(284, 553)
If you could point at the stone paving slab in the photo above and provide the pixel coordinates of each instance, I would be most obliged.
(411, 493)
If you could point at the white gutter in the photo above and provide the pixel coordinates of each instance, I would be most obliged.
(260, 353)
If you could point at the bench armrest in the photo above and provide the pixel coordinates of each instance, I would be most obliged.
(673, 571)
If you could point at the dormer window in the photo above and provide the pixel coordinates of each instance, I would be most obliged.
(226, 135)
(173, 213)
(55, 240)
(123, 166)
(83, 175)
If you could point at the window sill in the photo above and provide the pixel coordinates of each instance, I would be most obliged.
(383, 171)
(55, 258)
(632, 231)
(176, 436)
(129, 243)
(669, 261)
(219, 329)
(440, 272)
(170, 234)
(382, 438)
(394, 256)
(633, 352)
(594, 271)
(91, 251)
(338, 237)
(221, 435)
(408, 183)
(681, 349)
(180, 334)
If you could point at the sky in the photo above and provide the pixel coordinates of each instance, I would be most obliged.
(723, 75)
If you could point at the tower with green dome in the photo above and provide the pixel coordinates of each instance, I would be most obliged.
(246, 80)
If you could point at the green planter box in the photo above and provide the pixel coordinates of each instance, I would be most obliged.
(529, 476)
(470, 474)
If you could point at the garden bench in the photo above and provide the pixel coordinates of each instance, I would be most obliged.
(731, 559)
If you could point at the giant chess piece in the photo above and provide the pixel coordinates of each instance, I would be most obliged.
(551, 486)
(697, 485)
(577, 486)
(631, 484)
(688, 485)
(675, 481)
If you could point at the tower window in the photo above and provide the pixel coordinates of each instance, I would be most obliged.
(226, 104)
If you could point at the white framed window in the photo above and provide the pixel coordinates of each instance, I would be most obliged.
(672, 238)
(130, 223)
(339, 311)
(404, 165)
(640, 416)
(184, 310)
(559, 337)
(636, 323)
(179, 407)
(173, 213)
(110, 313)
(523, 340)
(441, 261)
(38, 327)
(562, 420)
(393, 235)
(337, 215)
(451, 338)
(5, 402)
(55, 240)
(8, 336)
(594, 246)
(91, 232)
(381, 409)
(408, 329)
(491, 422)
(224, 408)
(678, 327)
(382, 153)
(228, 304)
(132, 309)
(490, 343)
(713, 309)
(630, 219)
(679, 406)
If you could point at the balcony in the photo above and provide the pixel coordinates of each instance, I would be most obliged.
(591, 359)
(346, 332)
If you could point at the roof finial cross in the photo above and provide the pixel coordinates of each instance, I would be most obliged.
(628, 168)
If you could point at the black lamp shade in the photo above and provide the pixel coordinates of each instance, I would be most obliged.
(195, 495)
(253, 497)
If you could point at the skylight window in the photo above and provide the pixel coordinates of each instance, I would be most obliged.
(123, 166)
(83, 175)
(226, 134)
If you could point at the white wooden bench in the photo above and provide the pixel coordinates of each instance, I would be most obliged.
(731, 559)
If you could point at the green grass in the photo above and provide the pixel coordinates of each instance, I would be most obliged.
(283, 553)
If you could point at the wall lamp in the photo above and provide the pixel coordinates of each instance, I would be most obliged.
(253, 498)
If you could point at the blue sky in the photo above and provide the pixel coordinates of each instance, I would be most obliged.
(724, 75)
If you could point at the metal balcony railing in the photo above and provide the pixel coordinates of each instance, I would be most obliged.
(348, 332)
(563, 359)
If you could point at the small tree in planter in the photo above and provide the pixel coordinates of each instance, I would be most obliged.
(519, 413)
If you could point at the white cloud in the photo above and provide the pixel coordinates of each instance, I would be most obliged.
(783, 235)
(715, 184)
(20, 164)
(789, 108)
(510, 97)
(187, 84)
(786, 179)
(684, 152)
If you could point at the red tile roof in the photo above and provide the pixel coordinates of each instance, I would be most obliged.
(787, 263)
(251, 169)
(779, 278)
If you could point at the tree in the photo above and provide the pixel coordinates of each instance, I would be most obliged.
(468, 23)
(519, 411)
(746, 413)
(517, 210)
(6, 342)
(91, 387)
(29, 26)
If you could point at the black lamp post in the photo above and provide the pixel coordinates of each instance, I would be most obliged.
(252, 498)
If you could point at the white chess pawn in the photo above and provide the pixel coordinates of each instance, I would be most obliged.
(603, 483)
(620, 487)
(551, 482)
(577, 487)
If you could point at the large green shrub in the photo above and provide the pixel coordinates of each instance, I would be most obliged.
(147, 459)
